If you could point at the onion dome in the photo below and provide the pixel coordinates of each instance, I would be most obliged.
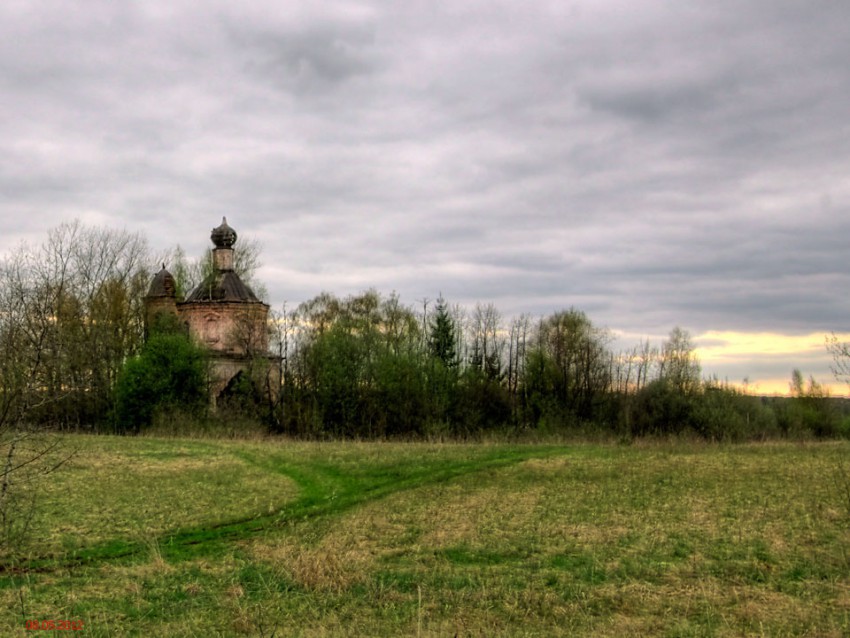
(163, 284)
(223, 236)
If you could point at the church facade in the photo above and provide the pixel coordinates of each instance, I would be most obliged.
(222, 314)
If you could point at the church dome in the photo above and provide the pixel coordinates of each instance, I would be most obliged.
(223, 236)
(163, 284)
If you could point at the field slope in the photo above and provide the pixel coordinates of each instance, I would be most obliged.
(138, 536)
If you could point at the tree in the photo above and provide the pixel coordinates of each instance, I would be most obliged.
(170, 373)
(81, 299)
(678, 364)
(517, 349)
(442, 342)
(570, 361)
(358, 367)
(810, 410)
(660, 408)
(26, 455)
(486, 341)
(840, 351)
(482, 402)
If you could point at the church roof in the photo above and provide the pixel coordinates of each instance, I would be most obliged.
(223, 286)
(163, 284)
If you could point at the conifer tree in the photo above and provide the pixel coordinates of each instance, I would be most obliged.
(442, 339)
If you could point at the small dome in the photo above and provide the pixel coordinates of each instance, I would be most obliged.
(223, 236)
(163, 284)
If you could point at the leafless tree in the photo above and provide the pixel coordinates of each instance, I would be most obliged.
(840, 351)
(25, 454)
(486, 341)
(678, 363)
(520, 330)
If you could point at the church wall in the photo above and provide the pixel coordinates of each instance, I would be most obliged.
(233, 328)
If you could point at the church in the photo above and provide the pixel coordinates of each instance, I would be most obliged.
(225, 316)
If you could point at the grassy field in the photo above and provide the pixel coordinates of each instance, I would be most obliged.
(156, 537)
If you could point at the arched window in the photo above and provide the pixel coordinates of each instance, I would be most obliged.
(212, 328)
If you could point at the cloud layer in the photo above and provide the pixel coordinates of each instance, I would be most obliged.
(652, 163)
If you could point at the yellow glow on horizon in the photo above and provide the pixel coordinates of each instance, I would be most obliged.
(717, 347)
(782, 387)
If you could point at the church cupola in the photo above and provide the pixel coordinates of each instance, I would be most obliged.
(163, 285)
(223, 237)
(161, 300)
(223, 283)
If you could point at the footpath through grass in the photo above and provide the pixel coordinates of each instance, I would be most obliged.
(186, 538)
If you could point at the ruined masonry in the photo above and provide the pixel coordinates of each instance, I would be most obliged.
(222, 313)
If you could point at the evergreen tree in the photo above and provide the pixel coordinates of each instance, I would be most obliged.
(442, 340)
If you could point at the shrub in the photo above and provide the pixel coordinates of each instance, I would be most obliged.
(169, 373)
(661, 409)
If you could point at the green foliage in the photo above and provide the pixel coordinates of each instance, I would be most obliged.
(810, 411)
(399, 402)
(170, 373)
(443, 338)
(567, 373)
(714, 411)
(482, 404)
(540, 381)
(661, 409)
(722, 413)
(360, 369)
(337, 366)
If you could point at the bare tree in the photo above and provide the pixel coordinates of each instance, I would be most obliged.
(80, 297)
(517, 350)
(840, 351)
(25, 455)
(486, 341)
(678, 363)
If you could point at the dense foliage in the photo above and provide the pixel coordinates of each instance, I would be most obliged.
(72, 336)
(168, 375)
(367, 366)
(71, 313)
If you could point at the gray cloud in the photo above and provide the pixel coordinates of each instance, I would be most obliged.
(651, 164)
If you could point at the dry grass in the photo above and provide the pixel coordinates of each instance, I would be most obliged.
(682, 543)
(663, 539)
(109, 489)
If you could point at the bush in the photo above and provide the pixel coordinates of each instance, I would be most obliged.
(662, 409)
(482, 404)
(810, 411)
(725, 414)
(169, 373)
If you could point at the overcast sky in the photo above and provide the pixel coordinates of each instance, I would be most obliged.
(652, 163)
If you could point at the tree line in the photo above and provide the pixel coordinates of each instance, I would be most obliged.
(369, 366)
(75, 354)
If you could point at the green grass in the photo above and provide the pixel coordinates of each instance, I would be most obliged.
(141, 536)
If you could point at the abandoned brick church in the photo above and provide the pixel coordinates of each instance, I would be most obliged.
(223, 314)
